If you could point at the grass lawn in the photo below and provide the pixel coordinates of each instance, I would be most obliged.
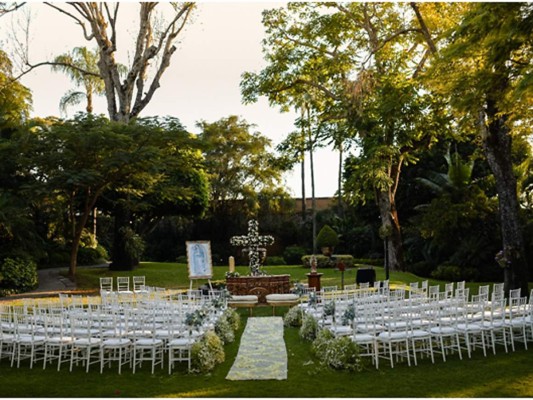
(503, 375)
(175, 276)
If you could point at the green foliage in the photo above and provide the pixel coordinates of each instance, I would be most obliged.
(293, 255)
(293, 317)
(17, 275)
(327, 262)
(239, 164)
(207, 353)
(92, 256)
(275, 260)
(308, 330)
(327, 237)
(134, 244)
(453, 273)
(182, 260)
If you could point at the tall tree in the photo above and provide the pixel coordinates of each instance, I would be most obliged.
(153, 48)
(359, 61)
(486, 71)
(85, 60)
(239, 163)
(80, 160)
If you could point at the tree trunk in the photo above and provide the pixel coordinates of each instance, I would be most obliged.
(497, 143)
(121, 260)
(304, 202)
(389, 217)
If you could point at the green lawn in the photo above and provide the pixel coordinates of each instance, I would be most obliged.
(503, 375)
(175, 276)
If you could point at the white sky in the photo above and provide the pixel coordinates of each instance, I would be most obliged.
(202, 82)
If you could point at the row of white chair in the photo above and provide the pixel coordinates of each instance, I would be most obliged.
(122, 333)
(387, 324)
(123, 284)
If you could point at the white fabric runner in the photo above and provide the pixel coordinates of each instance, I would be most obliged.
(262, 353)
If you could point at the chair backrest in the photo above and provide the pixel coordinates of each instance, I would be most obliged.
(460, 285)
(364, 285)
(448, 289)
(497, 287)
(106, 284)
(514, 293)
(413, 286)
(483, 290)
(329, 288)
(139, 283)
(123, 283)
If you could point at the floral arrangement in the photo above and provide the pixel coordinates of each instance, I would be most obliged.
(299, 289)
(312, 299)
(293, 317)
(227, 325)
(502, 260)
(349, 315)
(207, 353)
(337, 353)
(196, 318)
(253, 242)
(309, 328)
(233, 318)
(220, 301)
(329, 308)
(233, 274)
(224, 330)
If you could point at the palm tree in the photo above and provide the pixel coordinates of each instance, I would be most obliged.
(73, 64)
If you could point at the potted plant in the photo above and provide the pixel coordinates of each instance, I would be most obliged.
(327, 239)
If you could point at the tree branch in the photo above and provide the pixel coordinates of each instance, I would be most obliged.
(78, 21)
(5, 10)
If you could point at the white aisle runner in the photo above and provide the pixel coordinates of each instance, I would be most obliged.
(262, 353)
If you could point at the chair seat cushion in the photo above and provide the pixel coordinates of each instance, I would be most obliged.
(282, 298)
(116, 342)
(244, 299)
(148, 342)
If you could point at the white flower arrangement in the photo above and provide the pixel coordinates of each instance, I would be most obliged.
(253, 242)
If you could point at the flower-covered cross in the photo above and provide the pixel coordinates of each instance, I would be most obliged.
(252, 243)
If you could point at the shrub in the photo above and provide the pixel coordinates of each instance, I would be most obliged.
(326, 262)
(293, 255)
(320, 344)
(90, 256)
(275, 260)
(17, 275)
(224, 330)
(327, 237)
(293, 317)
(376, 262)
(227, 325)
(181, 260)
(450, 273)
(233, 318)
(337, 353)
(309, 328)
(207, 353)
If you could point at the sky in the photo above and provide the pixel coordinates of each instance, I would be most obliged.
(202, 82)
